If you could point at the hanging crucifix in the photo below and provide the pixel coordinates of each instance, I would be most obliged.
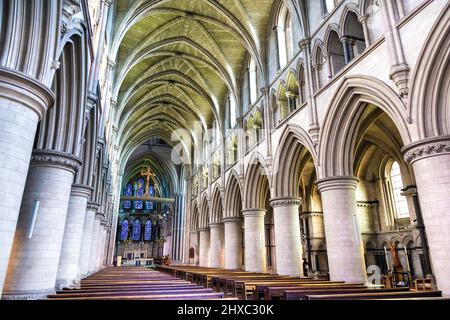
(147, 172)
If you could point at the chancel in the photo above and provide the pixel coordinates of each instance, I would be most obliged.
(226, 149)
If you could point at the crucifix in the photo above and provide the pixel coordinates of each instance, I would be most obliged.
(147, 172)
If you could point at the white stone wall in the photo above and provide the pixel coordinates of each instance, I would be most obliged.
(86, 243)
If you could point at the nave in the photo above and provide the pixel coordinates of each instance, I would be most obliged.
(196, 283)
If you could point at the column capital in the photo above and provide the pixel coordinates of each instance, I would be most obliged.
(363, 19)
(232, 220)
(99, 216)
(93, 206)
(338, 182)
(81, 190)
(254, 212)
(216, 225)
(203, 229)
(56, 159)
(285, 202)
(304, 43)
(25, 90)
(426, 148)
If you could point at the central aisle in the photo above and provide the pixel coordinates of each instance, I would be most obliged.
(135, 283)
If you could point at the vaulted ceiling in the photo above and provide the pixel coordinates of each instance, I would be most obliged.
(177, 60)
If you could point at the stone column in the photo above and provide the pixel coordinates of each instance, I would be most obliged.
(194, 243)
(363, 21)
(34, 259)
(101, 246)
(204, 236)
(255, 240)
(69, 267)
(216, 251)
(287, 236)
(233, 243)
(88, 232)
(430, 159)
(344, 244)
(23, 101)
(92, 266)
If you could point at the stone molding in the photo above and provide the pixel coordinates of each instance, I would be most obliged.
(216, 225)
(81, 190)
(367, 204)
(336, 183)
(231, 220)
(426, 148)
(56, 159)
(25, 90)
(203, 229)
(285, 202)
(93, 206)
(254, 212)
(99, 216)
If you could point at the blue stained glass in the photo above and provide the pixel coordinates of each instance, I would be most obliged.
(151, 191)
(148, 231)
(128, 193)
(124, 230)
(139, 205)
(136, 236)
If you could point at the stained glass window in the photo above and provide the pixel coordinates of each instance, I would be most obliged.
(136, 236)
(148, 231)
(151, 191)
(124, 230)
(128, 193)
(139, 204)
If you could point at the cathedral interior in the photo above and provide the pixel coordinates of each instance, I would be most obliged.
(298, 141)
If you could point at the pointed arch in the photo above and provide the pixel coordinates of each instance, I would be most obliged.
(216, 205)
(233, 196)
(340, 126)
(430, 83)
(204, 211)
(295, 145)
(257, 183)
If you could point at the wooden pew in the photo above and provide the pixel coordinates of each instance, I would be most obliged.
(272, 292)
(375, 295)
(302, 294)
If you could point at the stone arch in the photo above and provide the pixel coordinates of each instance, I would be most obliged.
(233, 196)
(430, 82)
(204, 212)
(195, 216)
(295, 144)
(257, 183)
(216, 204)
(340, 125)
(351, 7)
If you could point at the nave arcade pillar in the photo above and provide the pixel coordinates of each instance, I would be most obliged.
(344, 244)
(194, 243)
(86, 242)
(233, 243)
(23, 101)
(69, 267)
(430, 160)
(34, 259)
(287, 236)
(216, 251)
(255, 243)
(95, 244)
(204, 236)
